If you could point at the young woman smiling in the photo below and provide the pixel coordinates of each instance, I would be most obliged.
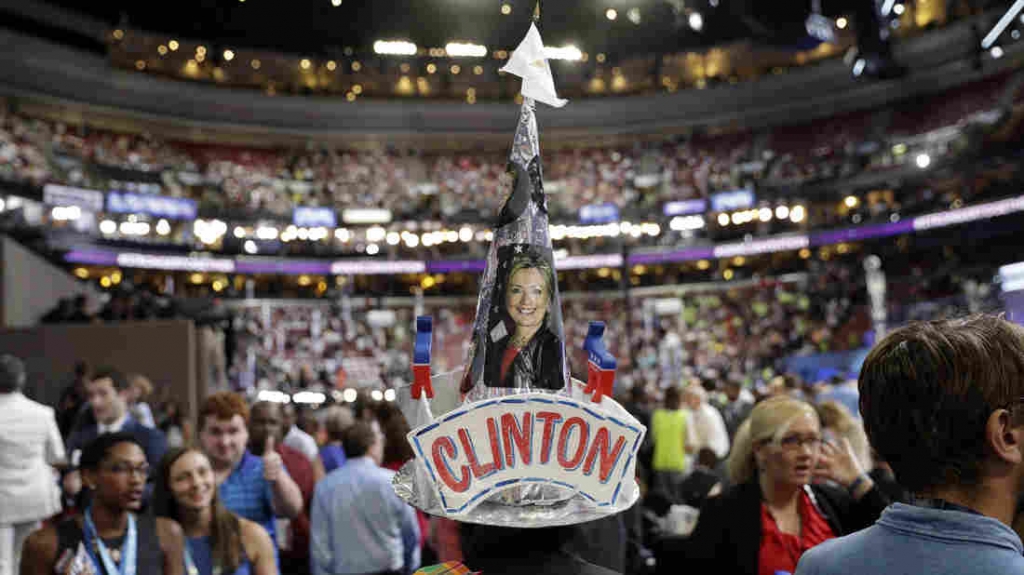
(218, 542)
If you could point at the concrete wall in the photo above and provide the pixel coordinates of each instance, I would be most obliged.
(30, 286)
(164, 351)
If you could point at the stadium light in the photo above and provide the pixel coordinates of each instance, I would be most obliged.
(996, 52)
(350, 395)
(841, 22)
(250, 247)
(163, 227)
(851, 201)
(389, 395)
(377, 395)
(898, 9)
(570, 53)
(108, 227)
(696, 21)
(1001, 25)
(923, 160)
(723, 219)
(797, 214)
(394, 48)
(465, 50)
(266, 233)
(764, 214)
(373, 249)
(611, 14)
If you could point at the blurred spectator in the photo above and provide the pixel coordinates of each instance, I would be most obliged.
(256, 488)
(737, 407)
(703, 480)
(837, 424)
(295, 437)
(674, 436)
(266, 422)
(338, 419)
(175, 425)
(218, 541)
(140, 389)
(29, 446)
(359, 525)
(941, 401)
(73, 399)
(114, 470)
(774, 513)
(707, 422)
(843, 391)
(108, 395)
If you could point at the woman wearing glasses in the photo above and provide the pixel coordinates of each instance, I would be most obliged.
(775, 511)
(109, 538)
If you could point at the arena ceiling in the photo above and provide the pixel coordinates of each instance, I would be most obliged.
(319, 28)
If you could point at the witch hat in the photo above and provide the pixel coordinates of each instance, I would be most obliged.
(518, 341)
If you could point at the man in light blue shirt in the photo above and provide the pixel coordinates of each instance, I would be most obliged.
(943, 402)
(358, 524)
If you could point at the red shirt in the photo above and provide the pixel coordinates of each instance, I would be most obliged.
(300, 470)
(781, 551)
(506, 360)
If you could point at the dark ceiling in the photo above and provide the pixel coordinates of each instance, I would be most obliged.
(316, 27)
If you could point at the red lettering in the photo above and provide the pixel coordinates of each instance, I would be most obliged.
(516, 437)
(492, 434)
(599, 449)
(573, 462)
(474, 464)
(550, 419)
(448, 446)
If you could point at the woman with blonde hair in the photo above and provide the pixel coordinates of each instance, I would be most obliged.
(775, 512)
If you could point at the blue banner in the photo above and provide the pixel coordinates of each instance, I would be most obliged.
(151, 205)
(734, 200)
(313, 217)
(599, 214)
(685, 207)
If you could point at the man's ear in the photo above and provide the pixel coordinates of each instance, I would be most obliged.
(1004, 437)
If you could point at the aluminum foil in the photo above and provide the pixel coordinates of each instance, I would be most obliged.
(517, 506)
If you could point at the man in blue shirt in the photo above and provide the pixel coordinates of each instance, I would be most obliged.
(943, 403)
(257, 488)
(359, 525)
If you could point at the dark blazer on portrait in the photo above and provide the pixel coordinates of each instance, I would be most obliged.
(727, 539)
(538, 365)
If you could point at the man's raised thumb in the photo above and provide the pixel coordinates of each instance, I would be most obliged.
(268, 446)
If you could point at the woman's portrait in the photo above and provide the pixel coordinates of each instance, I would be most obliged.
(524, 347)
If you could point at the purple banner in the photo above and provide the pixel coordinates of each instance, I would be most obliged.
(675, 256)
(449, 266)
(862, 233)
(91, 257)
(279, 266)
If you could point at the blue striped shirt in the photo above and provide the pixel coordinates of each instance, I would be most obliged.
(247, 494)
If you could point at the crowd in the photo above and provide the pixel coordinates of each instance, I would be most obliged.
(917, 464)
(271, 181)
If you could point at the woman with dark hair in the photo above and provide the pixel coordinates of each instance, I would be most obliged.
(523, 351)
(218, 541)
(109, 538)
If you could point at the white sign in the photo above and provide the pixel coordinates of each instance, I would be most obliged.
(535, 438)
(89, 200)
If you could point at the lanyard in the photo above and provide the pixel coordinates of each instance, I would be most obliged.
(93, 543)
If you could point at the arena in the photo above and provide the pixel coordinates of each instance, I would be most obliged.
(222, 221)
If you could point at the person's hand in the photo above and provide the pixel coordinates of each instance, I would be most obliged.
(839, 463)
(272, 464)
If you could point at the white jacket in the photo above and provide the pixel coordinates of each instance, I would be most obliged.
(29, 442)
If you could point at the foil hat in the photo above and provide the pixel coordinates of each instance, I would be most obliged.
(512, 440)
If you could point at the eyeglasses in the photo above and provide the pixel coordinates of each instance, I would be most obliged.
(795, 442)
(125, 469)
